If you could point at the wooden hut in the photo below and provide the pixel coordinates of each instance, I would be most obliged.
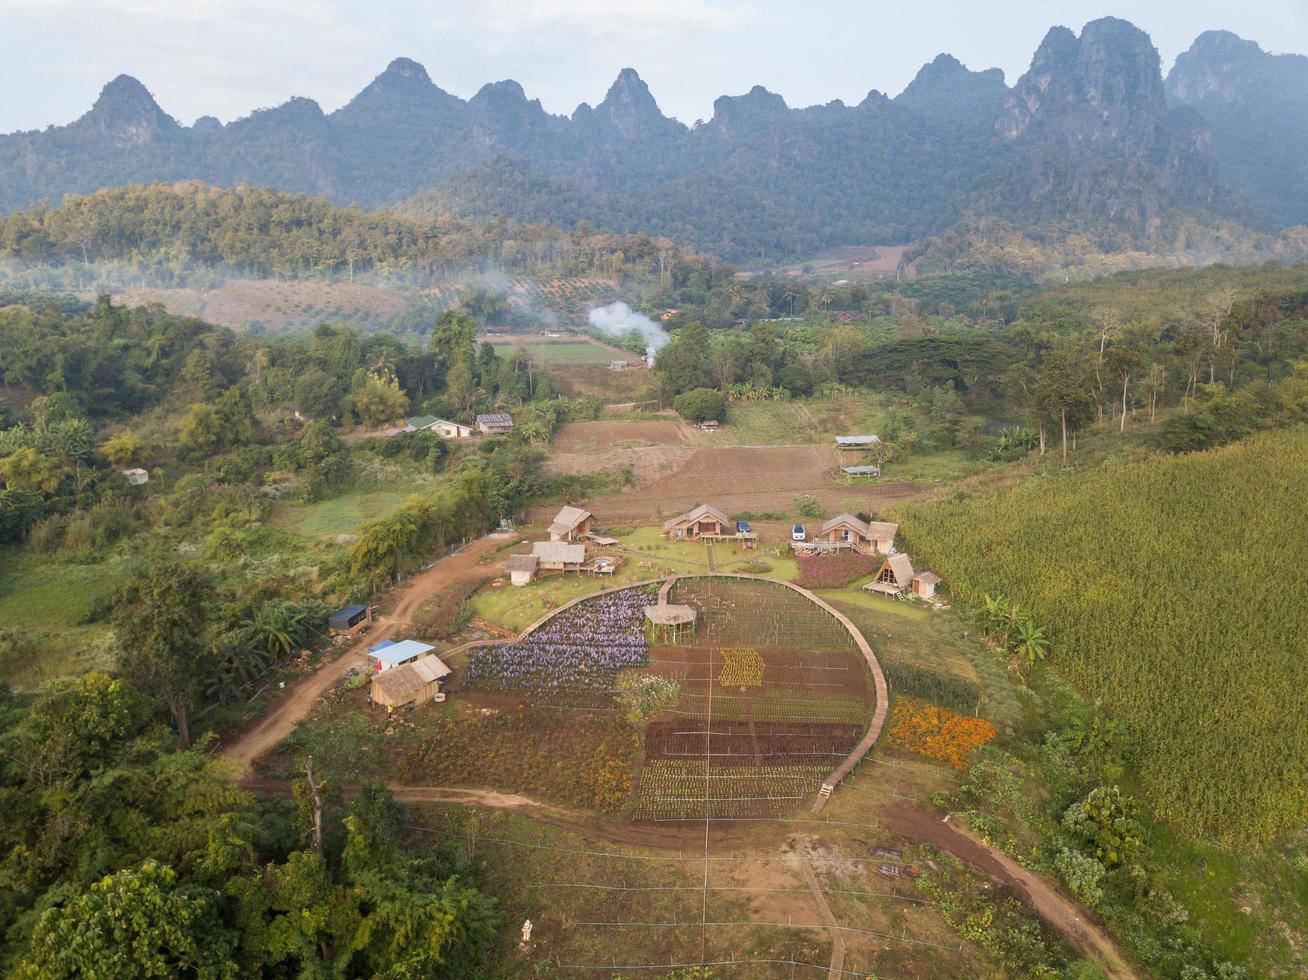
(924, 585)
(521, 568)
(669, 623)
(571, 523)
(559, 556)
(865, 537)
(895, 577)
(704, 521)
(414, 683)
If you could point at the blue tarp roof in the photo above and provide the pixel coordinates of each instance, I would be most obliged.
(402, 652)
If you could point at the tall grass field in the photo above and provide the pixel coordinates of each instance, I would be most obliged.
(1174, 591)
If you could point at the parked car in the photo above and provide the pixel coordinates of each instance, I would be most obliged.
(742, 527)
(797, 533)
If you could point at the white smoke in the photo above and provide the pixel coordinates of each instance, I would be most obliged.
(619, 319)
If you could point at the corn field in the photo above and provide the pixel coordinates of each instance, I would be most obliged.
(1176, 591)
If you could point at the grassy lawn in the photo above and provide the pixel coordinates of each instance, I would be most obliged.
(44, 601)
(36, 590)
(800, 421)
(562, 352)
(340, 515)
(646, 555)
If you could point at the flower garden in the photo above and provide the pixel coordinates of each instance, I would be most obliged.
(579, 650)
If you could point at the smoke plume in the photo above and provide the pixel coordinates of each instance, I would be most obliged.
(618, 319)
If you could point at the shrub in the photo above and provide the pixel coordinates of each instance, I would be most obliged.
(806, 505)
(1082, 874)
(938, 733)
(701, 404)
(1105, 821)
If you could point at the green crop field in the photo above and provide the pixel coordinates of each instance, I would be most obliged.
(1174, 591)
(340, 515)
(559, 352)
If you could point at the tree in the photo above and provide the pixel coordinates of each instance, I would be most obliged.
(380, 400)
(1121, 362)
(1105, 821)
(123, 449)
(76, 723)
(684, 364)
(161, 622)
(1063, 394)
(31, 471)
(202, 430)
(701, 404)
(136, 923)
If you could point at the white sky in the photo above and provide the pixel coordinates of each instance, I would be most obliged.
(227, 57)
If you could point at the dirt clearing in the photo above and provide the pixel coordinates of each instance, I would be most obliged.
(580, 437)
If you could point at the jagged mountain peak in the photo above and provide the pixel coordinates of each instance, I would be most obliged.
(1102, 87)
(126, 114)
(948, 93)
(628, 111)
(406, 69)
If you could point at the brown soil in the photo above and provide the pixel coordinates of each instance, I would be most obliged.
(758, 479)
(399, 607)
(580, 437)
(1070, 919)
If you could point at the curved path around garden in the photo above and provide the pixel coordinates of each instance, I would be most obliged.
(665, 590)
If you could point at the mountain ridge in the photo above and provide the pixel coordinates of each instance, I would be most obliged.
(1089, 137)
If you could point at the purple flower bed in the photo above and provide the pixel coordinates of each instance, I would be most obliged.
(579, 649)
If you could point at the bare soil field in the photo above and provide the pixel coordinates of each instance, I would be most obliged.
(581, 437)
(738, 479)
(854, 261)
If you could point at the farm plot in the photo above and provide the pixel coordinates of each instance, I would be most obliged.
(578, 437)
(578, 651)
(774, 694)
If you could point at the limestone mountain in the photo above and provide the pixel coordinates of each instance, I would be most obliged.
(1255, 105)
(1086, 139)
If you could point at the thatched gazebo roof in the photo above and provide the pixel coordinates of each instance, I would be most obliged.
(671, 615)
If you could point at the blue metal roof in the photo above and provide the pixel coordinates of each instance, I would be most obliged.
(402, 652)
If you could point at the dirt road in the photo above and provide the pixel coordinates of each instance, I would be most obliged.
(1066, 916)
(397, 608)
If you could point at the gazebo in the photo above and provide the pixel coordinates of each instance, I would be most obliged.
(668, 623)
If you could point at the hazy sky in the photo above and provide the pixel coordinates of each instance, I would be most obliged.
(227, 57)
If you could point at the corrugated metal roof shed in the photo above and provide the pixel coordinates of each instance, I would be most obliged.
(398, 653)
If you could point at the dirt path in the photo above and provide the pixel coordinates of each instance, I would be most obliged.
(399, 606)
(837, 967)
(1065, 915)
(1062, 913)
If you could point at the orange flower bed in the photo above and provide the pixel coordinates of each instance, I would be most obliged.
(938, 733)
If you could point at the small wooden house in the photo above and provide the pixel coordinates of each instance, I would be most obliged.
(865, 537)
(413, 683)
(924, 585)
(705, 521)
(559, 556)
(495, 423)
(895, 576)
(522, 568)
(571, 524)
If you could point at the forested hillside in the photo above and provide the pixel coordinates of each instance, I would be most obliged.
(1082, 148)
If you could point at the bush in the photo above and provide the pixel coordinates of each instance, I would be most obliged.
(701, 404)
(1082, 874)
(806, 505)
